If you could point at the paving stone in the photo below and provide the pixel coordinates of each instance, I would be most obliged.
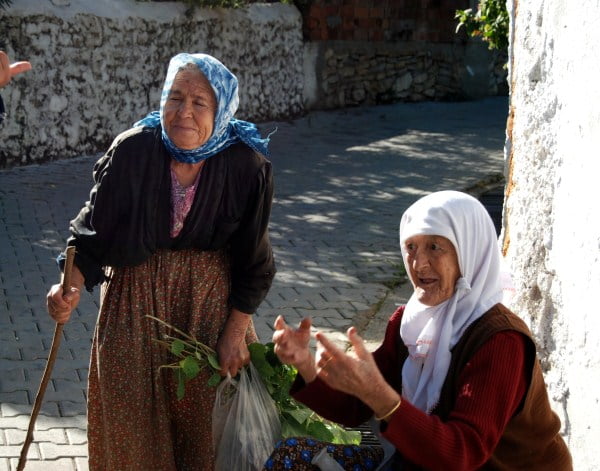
(51, 451)
(55, 435)
(82, 464)
(63, 464)
(16, 409)
(15, 397)
(77, 436)
(14, 451)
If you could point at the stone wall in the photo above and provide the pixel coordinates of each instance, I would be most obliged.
(99, 67)
(551, 221)
(351, 73)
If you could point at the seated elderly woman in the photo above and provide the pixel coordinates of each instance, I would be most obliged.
(456, 383)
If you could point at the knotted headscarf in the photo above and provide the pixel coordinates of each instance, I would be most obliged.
(430, 332)
(227, 129)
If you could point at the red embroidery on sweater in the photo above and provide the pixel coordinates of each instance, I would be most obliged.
(466, 391)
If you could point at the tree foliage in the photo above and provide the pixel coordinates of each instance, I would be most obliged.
(490, 22)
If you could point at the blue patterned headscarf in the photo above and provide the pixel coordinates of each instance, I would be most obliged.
(227, 130)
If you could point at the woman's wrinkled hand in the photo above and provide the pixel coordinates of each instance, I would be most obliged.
(60, 305)
(233, 355)
(354, 373)
(232, 350)
(292, 347)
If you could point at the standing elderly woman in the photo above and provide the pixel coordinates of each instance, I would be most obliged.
(456, 383)
(176, 228)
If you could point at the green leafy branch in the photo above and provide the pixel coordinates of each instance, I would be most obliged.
(490, 22)
(193, 356)
(296, 419)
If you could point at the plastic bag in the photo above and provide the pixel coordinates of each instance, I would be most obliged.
(245, 423)
(325, 462)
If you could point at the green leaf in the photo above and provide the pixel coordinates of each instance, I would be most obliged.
(177, 347)
(190, 367)
(257, 355)
(318, 430)
(300, 415)
(256, 348)
(214, 380)
(213, 362)
(341, 436)
(291, 428)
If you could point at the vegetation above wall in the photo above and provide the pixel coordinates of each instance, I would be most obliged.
(490, 22)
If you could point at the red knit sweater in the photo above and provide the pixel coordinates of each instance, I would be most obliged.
(493, 385)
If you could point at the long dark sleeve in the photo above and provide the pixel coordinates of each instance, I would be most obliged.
(252, 262)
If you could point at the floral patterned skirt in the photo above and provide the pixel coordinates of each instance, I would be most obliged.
(297, 454)
(135, 421)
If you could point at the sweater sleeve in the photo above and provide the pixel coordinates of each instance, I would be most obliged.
(91, 228)
(492, 387)
(252, 264)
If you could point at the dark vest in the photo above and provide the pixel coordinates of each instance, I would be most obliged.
(531, 440)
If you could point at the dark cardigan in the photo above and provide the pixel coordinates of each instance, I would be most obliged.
(127, 218)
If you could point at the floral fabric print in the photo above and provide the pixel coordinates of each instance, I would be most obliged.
(181, 202)
(135, 421)
(297, 454)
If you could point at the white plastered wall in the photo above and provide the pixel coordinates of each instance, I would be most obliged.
(551, 222)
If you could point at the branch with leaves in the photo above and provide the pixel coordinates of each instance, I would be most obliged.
(192, 356)
(490, 22)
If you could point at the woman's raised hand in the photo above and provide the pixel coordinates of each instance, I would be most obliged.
(355, 373)
(292, 346)
(8, 70)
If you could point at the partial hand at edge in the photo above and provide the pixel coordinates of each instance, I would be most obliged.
(8, 70)
(292, 347)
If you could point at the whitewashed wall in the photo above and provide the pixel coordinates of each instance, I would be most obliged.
(99, 66)
(552, 221)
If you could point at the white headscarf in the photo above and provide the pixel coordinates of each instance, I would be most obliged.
(431, 332)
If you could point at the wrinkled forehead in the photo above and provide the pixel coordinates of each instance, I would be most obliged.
(190, 70)
(191, 77)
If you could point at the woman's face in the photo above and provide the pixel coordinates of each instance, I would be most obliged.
(433, 266)
(189, 112)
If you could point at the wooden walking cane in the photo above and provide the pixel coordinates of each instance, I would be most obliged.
(66, 284)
